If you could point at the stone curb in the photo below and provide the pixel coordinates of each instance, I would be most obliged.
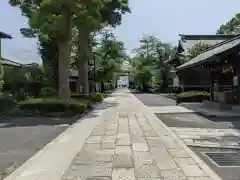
(205, 114)
(215, 115)
(200, 162)
(212, 146)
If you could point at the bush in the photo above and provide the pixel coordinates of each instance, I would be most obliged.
(193, 96)
(45, 106)
(7, 103)
(80, 96)
(47, 92)
(97, 97)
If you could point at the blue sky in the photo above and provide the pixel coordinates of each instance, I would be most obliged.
(164, 19)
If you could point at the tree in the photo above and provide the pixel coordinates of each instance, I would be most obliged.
(142, 72)
(54, 19)
(148, 46)
(1, 77)
(231, 27)
(49, 54)
(197, 49)
(23, 80)
(156, 52)
(111, 15)
(110, 54)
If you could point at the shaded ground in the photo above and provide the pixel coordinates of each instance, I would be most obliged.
(21, 138)
(193, 120)
(154, 99)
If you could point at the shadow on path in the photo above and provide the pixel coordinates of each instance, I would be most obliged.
(11, 122)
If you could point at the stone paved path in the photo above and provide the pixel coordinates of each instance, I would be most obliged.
(129, 144)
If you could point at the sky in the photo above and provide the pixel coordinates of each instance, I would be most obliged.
(164, 19)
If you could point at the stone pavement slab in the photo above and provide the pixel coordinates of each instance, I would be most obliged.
(123, 143)
(143, 148)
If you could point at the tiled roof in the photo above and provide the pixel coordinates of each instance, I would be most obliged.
(10, 63)
(4, 35)
(188, 41)
(211, 52)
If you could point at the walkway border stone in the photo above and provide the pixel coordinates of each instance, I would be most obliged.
(200, 162)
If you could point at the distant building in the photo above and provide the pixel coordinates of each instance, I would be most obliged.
(199, 77)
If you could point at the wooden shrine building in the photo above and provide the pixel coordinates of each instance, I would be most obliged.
(219, 68)
(199, 77)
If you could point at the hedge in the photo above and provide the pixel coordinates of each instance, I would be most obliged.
(41, 106)
(80, 96)
(95, 97)
(7, 103)
(192, 96)
(47, 92)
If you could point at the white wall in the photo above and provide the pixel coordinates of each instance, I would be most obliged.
(123, 80)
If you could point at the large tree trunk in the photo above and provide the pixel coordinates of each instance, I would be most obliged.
(63, 73)
(84, 77)
(79, 84)
(84, 55)
(64, 47)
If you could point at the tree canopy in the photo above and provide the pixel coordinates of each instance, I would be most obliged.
(148, 63)
(231, 27)
(197, 49)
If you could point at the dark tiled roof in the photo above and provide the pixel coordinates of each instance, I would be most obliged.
(10, 63)
(207, 36)
(172, 59)
(211, 52)
(188, 41)
(4, 35)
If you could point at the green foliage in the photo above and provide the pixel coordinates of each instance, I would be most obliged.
(23, 80)
(48, 51)
(97, 97)
(52, 20)
(94, 97)
(7, 103)
(1, 77)
(45, 106)
(231, 27)
(142, 71)
(197, 49)
(193, 96)
(109, 55)
(47, 92)
(112, 11)
(148, 64)
(80, 96)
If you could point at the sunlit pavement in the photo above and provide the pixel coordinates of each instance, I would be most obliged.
(120, 139)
